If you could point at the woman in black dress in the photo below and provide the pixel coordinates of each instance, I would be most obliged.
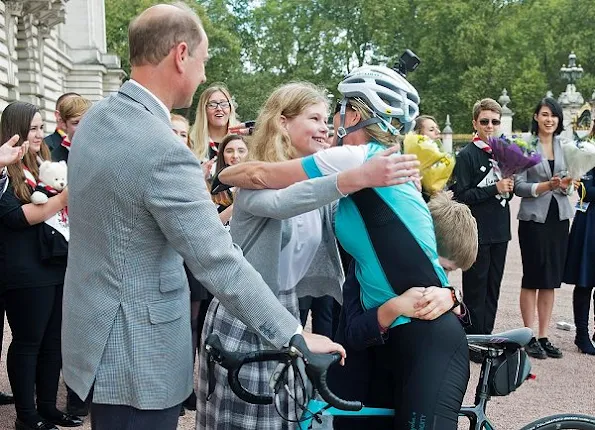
(543, 226)
(580, 270)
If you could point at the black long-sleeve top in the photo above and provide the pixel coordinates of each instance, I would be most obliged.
(475, 186)
(21, 264)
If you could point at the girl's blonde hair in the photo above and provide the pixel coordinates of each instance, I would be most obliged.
(270, 141)
(176, 117)
(373, 130)
(200, 130)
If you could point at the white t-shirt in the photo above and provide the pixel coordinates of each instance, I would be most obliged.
(298, 254)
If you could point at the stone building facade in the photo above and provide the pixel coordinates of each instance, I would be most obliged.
(48, 47)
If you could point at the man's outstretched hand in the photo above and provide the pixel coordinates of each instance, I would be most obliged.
(323, 345)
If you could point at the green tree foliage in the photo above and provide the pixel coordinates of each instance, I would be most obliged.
(470, 49)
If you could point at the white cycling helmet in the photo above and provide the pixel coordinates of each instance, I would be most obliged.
(387, 93)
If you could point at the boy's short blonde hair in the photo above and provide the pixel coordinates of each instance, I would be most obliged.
(73, 107)
(456, 230)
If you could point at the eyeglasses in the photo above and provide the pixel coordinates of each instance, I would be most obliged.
(215, 105)
(486, 121)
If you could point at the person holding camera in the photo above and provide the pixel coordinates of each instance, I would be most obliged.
(479, 184)
(543, 225)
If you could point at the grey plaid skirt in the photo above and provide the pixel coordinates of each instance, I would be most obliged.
(224, 410)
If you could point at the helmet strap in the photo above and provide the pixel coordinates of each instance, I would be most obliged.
(342, 131)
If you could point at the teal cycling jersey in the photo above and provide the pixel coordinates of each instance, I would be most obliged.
(389, 231)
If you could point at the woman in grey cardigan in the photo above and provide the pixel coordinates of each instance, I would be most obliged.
(287, 235)
(543, 226)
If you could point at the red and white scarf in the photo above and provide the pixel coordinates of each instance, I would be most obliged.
(477, 141)
(60, 220)
(214, 146)
(29, 178)
(65, 140)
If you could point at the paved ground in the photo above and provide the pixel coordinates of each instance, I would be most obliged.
(565, 385)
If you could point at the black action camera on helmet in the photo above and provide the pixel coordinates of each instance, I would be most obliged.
(408, 62)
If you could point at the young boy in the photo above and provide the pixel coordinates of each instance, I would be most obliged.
(362, 331)
(480, 186)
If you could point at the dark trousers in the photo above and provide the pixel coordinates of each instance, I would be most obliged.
(120, 417)
(325, 314)
(34, 359)
(422, 372)
(581, 302)
(481, 287)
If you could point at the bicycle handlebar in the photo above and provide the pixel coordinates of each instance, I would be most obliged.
(316, 366)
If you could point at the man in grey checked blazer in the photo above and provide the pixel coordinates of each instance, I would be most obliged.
(139, 207)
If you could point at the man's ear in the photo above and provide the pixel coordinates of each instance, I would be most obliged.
(474, 125)
(181, 54)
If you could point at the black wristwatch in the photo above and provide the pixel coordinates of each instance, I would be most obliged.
(457, 296)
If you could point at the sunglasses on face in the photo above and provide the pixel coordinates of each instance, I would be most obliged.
(486, 121)
(215, 105)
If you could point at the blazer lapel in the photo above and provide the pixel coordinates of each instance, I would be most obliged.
(143, 97)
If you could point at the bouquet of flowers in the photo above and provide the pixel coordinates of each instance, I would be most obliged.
(513, 154)
(579, 157)
(436, 166)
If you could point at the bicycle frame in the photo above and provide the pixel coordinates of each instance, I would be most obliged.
(475, 414)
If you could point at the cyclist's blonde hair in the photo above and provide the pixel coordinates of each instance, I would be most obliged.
(373, 130)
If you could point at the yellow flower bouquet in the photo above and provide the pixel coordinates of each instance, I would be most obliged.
(436, 166)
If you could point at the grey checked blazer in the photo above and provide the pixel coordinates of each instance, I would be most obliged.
(138, 206)
(536, 208)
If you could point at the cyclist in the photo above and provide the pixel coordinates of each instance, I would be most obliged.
(360, 331)
(390, 234)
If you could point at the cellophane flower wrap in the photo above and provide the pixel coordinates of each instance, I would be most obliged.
(579, 156)
(513, 154)
(436, 166)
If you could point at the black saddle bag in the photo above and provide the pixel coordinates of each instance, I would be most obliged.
(509, 370)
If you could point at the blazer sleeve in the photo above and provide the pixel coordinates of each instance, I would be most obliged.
(288, 202)
(361, 326)
(522, 187)
(464, 189)
(189, 221)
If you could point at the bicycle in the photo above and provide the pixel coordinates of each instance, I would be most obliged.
(300, 359)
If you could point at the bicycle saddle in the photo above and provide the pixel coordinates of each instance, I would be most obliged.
(516, 338)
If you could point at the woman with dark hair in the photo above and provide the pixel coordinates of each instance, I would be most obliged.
(232, 151)
(33, 278)
(543, 225)
(579, 270)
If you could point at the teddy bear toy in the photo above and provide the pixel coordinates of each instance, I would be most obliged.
(52, 180)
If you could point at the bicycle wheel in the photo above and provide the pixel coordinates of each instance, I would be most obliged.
(563, 421)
